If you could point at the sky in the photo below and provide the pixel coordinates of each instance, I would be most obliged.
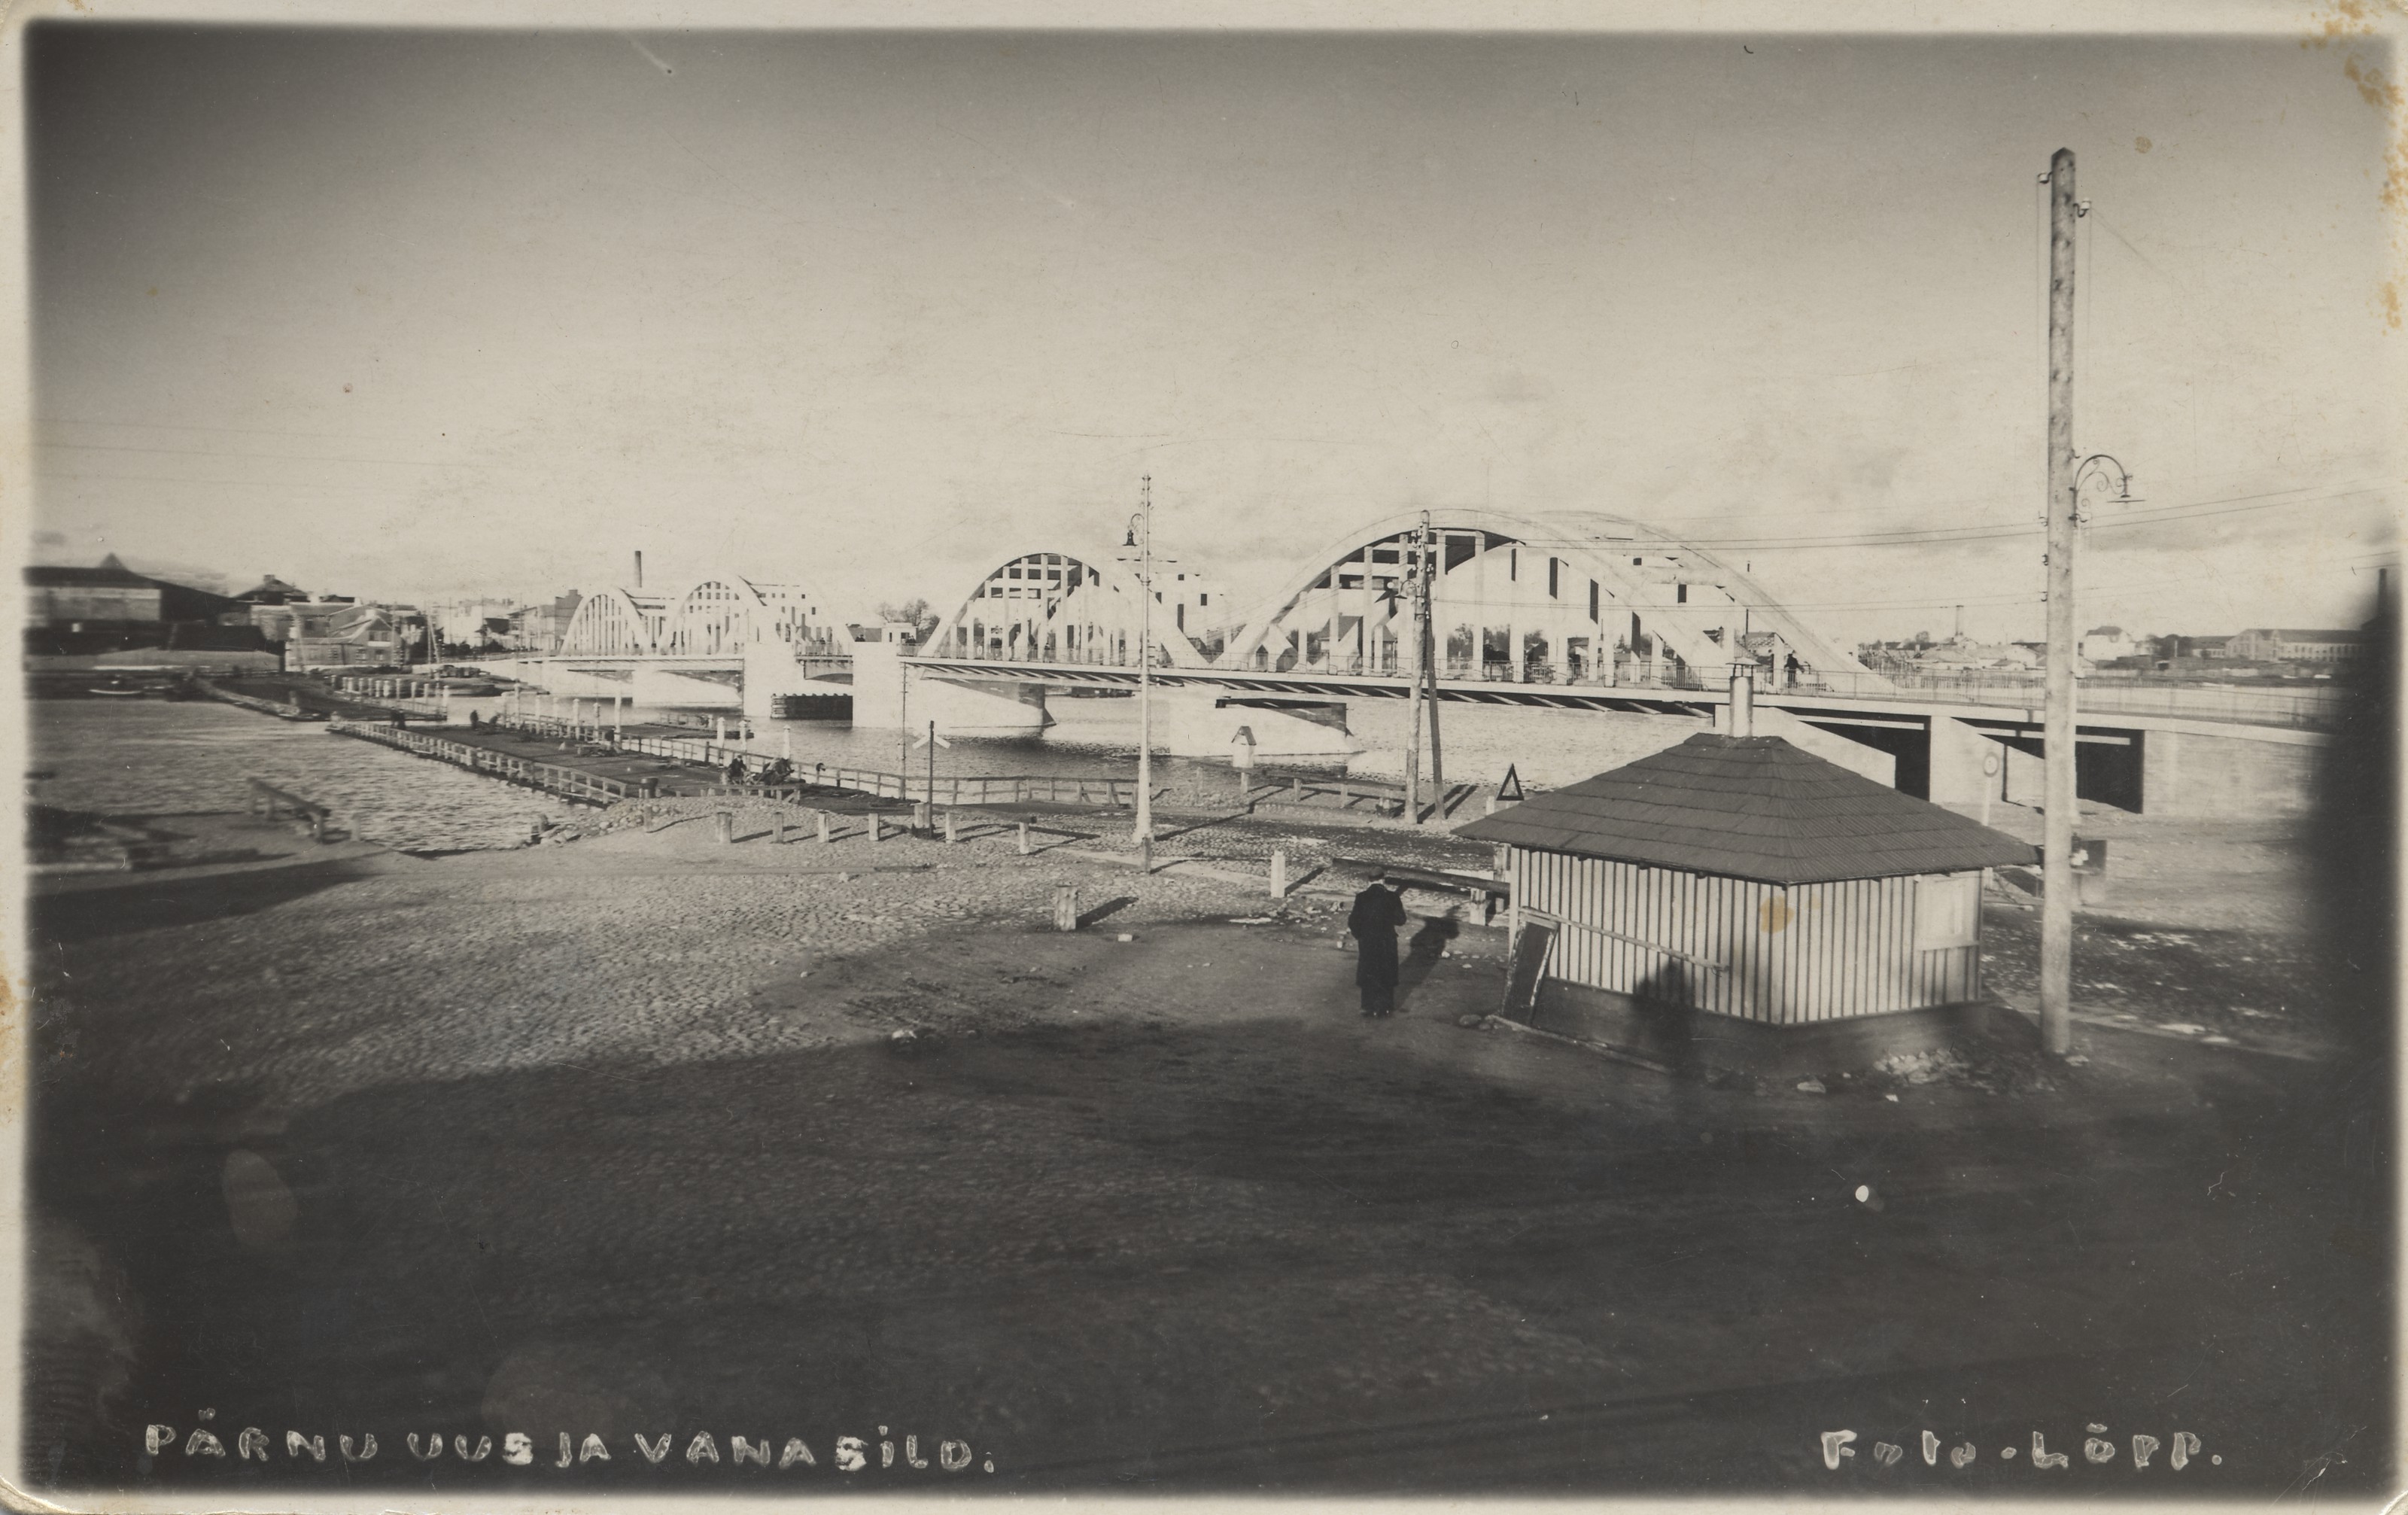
(428, 314)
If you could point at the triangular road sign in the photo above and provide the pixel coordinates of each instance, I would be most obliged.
(1509, 786)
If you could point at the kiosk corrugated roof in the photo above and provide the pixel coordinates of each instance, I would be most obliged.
(1754, 808)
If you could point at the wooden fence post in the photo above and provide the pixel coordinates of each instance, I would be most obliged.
(1023, 839)
(780, 817)
(1066, 907)
(952, 836)
(727, 823)
(1279, 872)
(824, 837)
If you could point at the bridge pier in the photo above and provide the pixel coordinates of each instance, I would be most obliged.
(1958, 751)
(772, 672)
(960, 708)
(2265, 773)
(1201, 723)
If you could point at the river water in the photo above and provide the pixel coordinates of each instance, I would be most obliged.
(1548, 748)
(157, 758)
(146, 756)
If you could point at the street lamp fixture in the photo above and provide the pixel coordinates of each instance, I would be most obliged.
(2100, 466)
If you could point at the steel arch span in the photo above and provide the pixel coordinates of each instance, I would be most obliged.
(1051, 606)
(1575, 597)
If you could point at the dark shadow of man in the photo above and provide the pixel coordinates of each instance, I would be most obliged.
(1423, 950)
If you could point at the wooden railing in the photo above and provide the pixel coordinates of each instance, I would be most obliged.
(267, 799)
(556, 778)
(1351, 796)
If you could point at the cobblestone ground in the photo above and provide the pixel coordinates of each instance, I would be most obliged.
(618, 1138)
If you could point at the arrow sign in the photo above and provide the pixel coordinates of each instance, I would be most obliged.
(923, 742)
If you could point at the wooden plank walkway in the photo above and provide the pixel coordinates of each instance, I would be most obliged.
(582, 764)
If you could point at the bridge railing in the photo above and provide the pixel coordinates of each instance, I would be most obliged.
(2286, 707)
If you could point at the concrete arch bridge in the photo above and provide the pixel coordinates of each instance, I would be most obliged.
(1575, 610)
(723, 641)
(1567, 608)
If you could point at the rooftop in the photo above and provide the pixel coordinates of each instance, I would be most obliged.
(1753, 808)
(110, 571)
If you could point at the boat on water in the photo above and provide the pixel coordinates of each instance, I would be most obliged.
(120, 688)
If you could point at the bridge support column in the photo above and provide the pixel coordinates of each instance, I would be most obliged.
(967, 707)
(2269, 771)
(770, 670)
(1957, 753)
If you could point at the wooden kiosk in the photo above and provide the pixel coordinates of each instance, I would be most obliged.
(1736, 902)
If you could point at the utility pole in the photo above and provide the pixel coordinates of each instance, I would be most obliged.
(1145, 672)
(1419, 622)
(1432, 566)
(2058, 789)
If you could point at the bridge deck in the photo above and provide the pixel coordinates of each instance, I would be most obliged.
(2101, 700)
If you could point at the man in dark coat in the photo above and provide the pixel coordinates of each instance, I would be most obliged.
(1379, 910)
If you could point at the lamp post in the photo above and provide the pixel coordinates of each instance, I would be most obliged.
(1141, 537)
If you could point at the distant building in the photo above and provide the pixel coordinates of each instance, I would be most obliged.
(272, 590)
(108, 607)
(73, 598)
(112, 595)
(1957, 655)
(2174, 649)
(2263, 644)
(540, 626)
(340, 632)
(1184, 592)
(2106, 643)
(468, 623)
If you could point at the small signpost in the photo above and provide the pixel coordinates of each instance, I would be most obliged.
(2089, 860)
